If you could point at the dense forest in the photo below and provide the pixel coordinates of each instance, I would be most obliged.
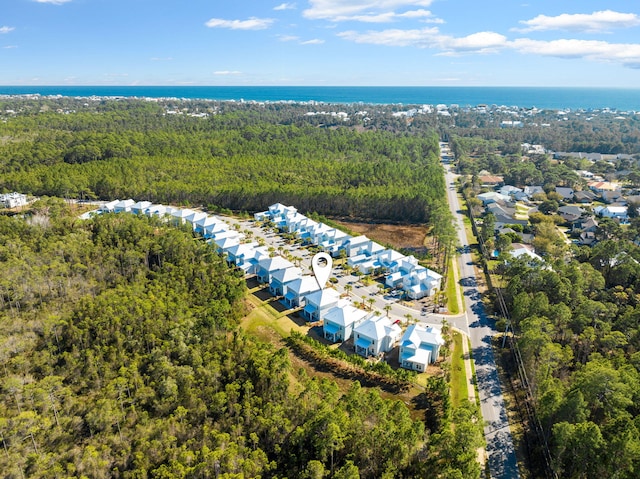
(243, 160)
(592, 132)
(578, 330)
(121, 353)
(121, 357)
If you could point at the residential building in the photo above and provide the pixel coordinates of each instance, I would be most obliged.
(524, 250)
(13, 200)
(570, 213)
(123, 206)
(584, 197)
(533, 190)
(619, 213)
(493, 197)
(356, 245)
(108, 207)
(565, 192)
(296, 291)
(140, 207)
(419, 347)
(246, 256)
(318, 303)
(282, 277)
(268, 266)
(375, 335)
(340, 320)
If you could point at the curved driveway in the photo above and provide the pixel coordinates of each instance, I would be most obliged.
(481, 328)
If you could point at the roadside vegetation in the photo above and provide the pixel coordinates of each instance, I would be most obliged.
(573, 316)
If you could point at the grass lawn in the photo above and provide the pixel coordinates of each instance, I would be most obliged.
(522, 212)
(458, 376)
(473, 372)
(264, 320)
(452, 288)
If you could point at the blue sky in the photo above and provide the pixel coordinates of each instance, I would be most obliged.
(320, 42)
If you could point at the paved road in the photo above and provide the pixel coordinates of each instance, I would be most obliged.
(481, 328)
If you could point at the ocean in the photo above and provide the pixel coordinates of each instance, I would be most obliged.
(556, 98)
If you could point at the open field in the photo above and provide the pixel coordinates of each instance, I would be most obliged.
(398, 236)
(458, 375)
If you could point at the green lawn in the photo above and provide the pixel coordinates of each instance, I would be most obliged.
(264, 317)
(452, 289)
(473, 371)
(458, 376)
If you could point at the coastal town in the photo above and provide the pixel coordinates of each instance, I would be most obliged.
(454, 305)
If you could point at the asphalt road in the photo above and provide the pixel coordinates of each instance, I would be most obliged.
(481, 328)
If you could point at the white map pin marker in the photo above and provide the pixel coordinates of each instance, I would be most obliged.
(321, 265)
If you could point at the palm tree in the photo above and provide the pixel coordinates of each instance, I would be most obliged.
(371, 302)
(387, 308)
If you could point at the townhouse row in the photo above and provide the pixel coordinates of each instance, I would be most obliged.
(372, 334)
(401, 272)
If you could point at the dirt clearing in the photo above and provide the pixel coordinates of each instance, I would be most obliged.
(398, 236)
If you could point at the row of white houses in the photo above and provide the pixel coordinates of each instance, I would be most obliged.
(13, 200)
(372, 334)
(402, 272)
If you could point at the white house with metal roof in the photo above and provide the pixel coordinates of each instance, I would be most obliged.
(123, 206)
(140, 207)
(339, 322)
(375, 335)
(281, 278)
(296, 291)
(318, 303)
(419, 347)
(246, 256)
(268, 266)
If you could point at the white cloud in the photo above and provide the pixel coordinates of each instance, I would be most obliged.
(8, 47)
(227, 72)
(481, 42)
(628, 54)
(393, 37)
(285, 6)
(252, 23)
(601, 21)
(6, 29)
(315, 41)
(342, 10)
(288, 38)
(161, 59)
(53, 2)
(385, 17)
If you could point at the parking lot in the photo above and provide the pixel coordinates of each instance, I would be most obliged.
(373, 295)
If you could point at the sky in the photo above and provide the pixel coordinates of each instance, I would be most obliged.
(585, 43)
